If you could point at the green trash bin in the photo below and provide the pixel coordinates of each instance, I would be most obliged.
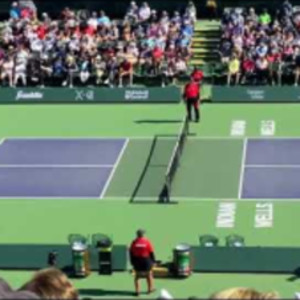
(80, 255)
(182, 260)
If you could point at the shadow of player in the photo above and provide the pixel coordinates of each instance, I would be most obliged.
(295, 276)
(158, 121)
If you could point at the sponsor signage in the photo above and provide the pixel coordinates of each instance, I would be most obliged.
(23, 95)
(255, 94)
(136, 94)
(91, 95)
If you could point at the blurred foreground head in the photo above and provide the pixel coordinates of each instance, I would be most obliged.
(51, 283)
(244, 293)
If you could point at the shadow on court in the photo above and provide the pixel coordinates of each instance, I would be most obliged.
(151, 182)
(101, 292)
(158, 121)
(295, 276)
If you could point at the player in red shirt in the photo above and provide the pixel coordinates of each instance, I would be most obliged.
(192, 99)
(142, 259)
(197, 75)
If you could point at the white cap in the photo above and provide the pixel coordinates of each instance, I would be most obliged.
(164, 294)
(297, 295)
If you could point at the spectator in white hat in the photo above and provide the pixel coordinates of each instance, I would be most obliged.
(144, 12)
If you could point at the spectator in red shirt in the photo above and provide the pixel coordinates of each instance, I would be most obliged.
(89, 30)
(41, 32)
(126, 70)
(192, 98)
(142, 259)
(26, 13)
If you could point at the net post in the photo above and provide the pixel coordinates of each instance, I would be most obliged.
(164, 196)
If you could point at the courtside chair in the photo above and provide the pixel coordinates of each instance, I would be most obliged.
(235, 240)
(208, 240)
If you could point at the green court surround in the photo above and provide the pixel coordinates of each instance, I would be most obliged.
(51, 221)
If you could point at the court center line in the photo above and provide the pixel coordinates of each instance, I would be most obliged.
(273, 166)
(242, 170)
(112, 173)
(53, 166)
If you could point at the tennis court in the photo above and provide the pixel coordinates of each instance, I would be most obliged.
(129, 151)
(85, 167)
(56, 168)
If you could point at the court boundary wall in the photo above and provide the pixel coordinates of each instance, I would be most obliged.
(277, 260)
(90, 95)
(255, 94)
(35, 257)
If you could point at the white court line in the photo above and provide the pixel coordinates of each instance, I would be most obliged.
(273, 166)
(236, 200)
(118, 198)
(103, 191)
(2, 141)
(180, 200)
(92, 138)
(151, 137)
(241, 138)
(75, 138)
(242, 170)
(53, 166)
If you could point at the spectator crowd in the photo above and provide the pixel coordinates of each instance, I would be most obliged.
(260, 47)
(89, 48)
(51, 283)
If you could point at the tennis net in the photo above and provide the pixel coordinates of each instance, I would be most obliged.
(174, 161)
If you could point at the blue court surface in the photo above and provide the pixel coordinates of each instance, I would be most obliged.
(58, 168)
(271, 169)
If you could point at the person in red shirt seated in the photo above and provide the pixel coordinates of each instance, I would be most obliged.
(192, 98)
(197, 75)
(41, 31)
(126, 70)
(248, 69)
(26, 13)
(142, 259)
(157, 57)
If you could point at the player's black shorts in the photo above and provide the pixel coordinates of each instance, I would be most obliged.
(193, 102)
(141, 264)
